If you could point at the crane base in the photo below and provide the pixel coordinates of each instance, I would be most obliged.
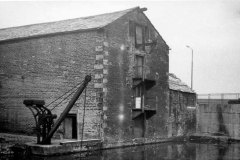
(64, 147)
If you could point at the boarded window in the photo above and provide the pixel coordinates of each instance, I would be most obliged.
(139, 35)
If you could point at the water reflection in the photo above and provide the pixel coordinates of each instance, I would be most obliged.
(169, 151)
(217, 152)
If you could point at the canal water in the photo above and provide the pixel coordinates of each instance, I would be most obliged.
(162, 151)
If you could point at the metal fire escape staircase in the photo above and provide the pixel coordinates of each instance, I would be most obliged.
(148, 106)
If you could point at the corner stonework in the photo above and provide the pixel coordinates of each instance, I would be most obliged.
(100, 82)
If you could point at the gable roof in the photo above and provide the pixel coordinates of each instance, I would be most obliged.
(84, 23)
(176, 84)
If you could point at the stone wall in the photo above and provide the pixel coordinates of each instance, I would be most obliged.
(117, 108)
(219, 120)
(182, 116)
(48, 66)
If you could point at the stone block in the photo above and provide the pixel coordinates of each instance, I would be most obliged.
(98, 76)
(105, 44)
(98, 66)
(105, 80)
(105, 108)
(105, 90)
(106, 53)
(105, 71)
(105, 62)
(98, 85)
(99, 48)
(99, 57)
(105, 117)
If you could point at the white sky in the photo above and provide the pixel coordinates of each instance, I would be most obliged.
(211, 28)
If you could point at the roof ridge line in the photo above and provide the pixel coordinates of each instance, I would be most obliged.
(61, 26)
(28, 25)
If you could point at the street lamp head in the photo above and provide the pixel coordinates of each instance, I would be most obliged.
(189, 47)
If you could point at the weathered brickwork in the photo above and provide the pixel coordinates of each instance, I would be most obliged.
(45, 68)
(48, 66)
(118, 112)
(182, 119)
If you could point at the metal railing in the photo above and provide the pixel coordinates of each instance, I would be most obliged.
(217, 98)
(149, 103)
(141, 71)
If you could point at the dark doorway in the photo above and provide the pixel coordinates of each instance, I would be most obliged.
(138, 128)
(70, 126)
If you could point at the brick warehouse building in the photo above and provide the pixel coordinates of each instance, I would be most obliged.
(126, 56)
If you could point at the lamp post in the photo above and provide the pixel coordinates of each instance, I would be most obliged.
(191, 67)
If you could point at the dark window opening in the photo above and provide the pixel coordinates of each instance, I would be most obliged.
(139, 92)
(70, 126)
(147, 35)
(139, 68)
(139, 37)
(140, 33)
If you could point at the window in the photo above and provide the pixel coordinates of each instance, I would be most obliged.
(147, 34)
(139, 37)
(140, 34)
(138, 91)
(138, 96)
(139, 66)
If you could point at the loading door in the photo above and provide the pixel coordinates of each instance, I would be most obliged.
(70, 126)
(138, 128)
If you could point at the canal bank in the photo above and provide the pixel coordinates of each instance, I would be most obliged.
(180, 150)
(182, 144)
(22, 144)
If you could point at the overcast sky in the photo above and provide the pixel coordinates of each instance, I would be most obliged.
(211, 28)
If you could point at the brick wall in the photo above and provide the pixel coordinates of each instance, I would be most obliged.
(45, 68)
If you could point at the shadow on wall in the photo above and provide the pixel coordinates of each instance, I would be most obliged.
(222, 130)
(190, 120)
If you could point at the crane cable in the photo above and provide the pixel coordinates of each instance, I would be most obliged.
(71, 91)
(63, 99)
(83, 121)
